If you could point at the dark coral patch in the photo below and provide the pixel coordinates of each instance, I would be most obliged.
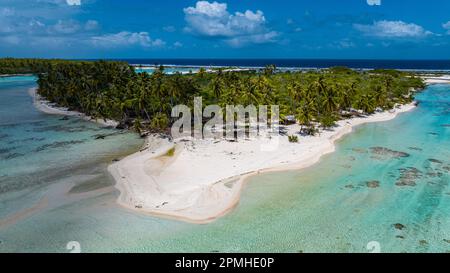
(58, 144)
(385, 152)
(435, 160)
(399, 226)
(373, 184)
(408, 177)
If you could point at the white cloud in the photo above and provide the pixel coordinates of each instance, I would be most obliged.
(374, 2)
(66, 27)
(214, 9)
(177, 44)
(213, 20)
(393, 29)
(73, 2)
(447, 27)
(253, 39)
(126, 38)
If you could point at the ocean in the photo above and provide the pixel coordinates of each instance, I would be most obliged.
(386, 185)
(302, 63)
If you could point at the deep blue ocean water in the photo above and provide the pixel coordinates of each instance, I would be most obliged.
(302, 63)
(54, 189)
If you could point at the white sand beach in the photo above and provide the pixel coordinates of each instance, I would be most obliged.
(444, 79)
(204, 178)
(52, 109)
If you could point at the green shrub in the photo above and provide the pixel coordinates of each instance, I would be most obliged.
(160, 122)
(293, 139)
(170, 152)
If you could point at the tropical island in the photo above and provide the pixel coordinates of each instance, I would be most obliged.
(179, 178)
(113, 90)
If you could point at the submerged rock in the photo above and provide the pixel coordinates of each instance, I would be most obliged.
(382, 151)
(399, 226)
(58, 144)
(435, 160)
(423, 242)
(415, 148)
(34, 139)
(6, 150)
(13, 155)
(359, 150)
(408, 177)
(373, 184)
(431, 174)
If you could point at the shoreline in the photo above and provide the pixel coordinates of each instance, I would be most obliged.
(204, 179)
(430, 80)
(50, 108)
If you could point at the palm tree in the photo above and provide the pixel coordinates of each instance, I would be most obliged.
(217, 86)
(329, 100)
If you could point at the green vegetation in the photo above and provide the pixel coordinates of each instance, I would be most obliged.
(293, 139)
(141, 101)
(170, 152)
(28, 66)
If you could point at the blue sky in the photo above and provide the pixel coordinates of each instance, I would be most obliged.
(357, 29)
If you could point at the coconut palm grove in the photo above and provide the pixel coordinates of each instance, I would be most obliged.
(143, 101)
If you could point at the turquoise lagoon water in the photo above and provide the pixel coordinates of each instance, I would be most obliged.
(387, 182)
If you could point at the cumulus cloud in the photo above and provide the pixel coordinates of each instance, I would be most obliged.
(393, 29)
(214, 20)
(73, 2)
(125, 38)
(374, 2)
(447, 27)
